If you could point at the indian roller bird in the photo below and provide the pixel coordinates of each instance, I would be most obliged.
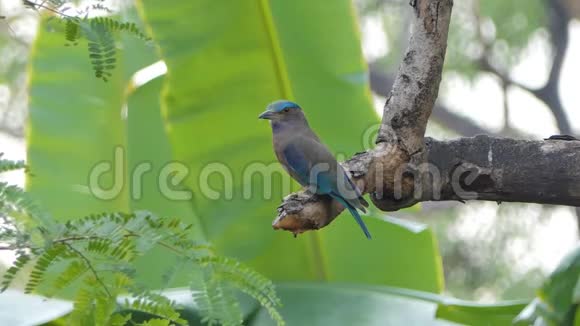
(308, 160)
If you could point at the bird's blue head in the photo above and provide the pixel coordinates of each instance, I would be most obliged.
(280, 110)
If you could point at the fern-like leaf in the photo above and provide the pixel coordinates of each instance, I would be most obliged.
(120, 319)
(57, 3)
(101, 7)
(49, 257)
(114, 25)
(92, 304)
(248, 281)
(101, 45)
(98, 252)
(10, 274)
(215, 299)
(156, 322)
(73, 271)
(82, 313)
(154, 304)
(8, 165)
(15, 202)
(72, 31)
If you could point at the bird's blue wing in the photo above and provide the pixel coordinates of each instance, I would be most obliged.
(297, 162)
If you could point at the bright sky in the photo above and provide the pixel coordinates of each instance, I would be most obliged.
(13, 149)
(482, 101)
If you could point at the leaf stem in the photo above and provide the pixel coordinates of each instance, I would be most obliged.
(90, 266)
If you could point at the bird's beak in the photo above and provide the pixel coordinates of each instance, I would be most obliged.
(266, 115)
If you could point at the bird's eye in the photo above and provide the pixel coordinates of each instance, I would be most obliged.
(286, 110)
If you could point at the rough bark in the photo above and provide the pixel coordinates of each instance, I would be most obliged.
(381, 84)
(504, 170)
(416, 86)
(478, 168)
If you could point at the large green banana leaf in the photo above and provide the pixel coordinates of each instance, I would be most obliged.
(340, 304)
(226, 60)
(74, 124)
(78, 123)
(315, 304)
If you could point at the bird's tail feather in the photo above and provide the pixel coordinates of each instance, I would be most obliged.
(363, 201)
(355, 214)
(360, 202)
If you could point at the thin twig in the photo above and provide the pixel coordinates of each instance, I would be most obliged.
(42, 5)
(90, 266)
(548, 94)
(506, 108)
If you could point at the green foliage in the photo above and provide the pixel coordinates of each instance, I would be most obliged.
(8, 165)
(154, 304)
(14, 202)
(10, 274)
(58, 3)
(496, 30)
(156, 322)
(113, 25)
(256, 54)
(72, 31)
(514, 21)
(262, 35)
(207, 292)
(343, 304)
(99, 32)
(94, 257)
(558, 299)
(208, 295)
(43, 261)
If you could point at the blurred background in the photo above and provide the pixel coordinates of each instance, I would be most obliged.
(511, 70)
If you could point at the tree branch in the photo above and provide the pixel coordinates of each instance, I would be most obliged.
(478, 168)
(559, 19)
(416, 86)
(549, 93)
(89, 265)
(559, 35)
